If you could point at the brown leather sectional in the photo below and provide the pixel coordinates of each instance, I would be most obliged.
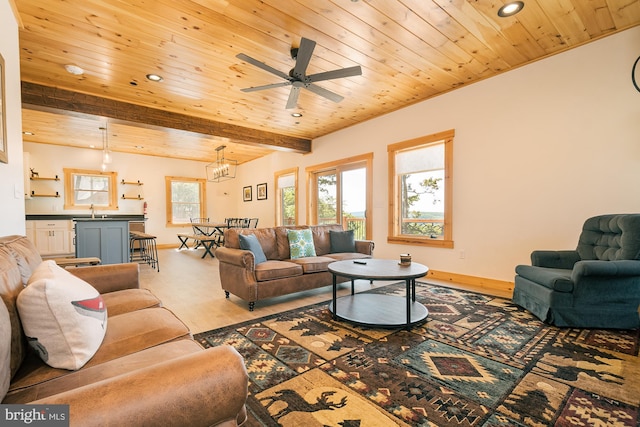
(148, 370)
(279, 275)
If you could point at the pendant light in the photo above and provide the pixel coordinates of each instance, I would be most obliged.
(106, 153)
(222, 169)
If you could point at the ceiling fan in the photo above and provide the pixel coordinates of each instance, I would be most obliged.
(297, 77)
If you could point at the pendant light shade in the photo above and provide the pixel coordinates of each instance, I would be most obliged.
(106, 153)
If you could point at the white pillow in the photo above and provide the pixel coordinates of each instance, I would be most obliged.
(63, 317)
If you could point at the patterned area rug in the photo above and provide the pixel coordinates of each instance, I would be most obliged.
(477, 361)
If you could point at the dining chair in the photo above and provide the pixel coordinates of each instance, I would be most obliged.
(197, 230)
(235, 222)
(195, 221)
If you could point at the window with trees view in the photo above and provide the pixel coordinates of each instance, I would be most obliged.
(340, 192)
(286, 196)
(86, 189)
(185, 199)
(420, 184)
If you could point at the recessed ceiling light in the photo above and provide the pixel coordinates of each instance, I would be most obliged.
(510, 9)
(154, 77)
(139, 147)
(28, 133)
(74, 69)
(296, 115)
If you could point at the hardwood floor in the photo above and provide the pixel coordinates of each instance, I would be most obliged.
(189, 286)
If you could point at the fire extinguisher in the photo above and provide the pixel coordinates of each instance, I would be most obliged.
(144, 208)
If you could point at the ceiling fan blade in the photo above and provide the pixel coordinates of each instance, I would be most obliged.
(271, 86)
(325, 93)
(262, 65)
(304, 56)
(336, 74)
(293, 97)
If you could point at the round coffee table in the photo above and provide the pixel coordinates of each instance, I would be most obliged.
(385, 311)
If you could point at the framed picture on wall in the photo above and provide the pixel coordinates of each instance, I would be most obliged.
(3, 118)
(246, 193)
(261, 189)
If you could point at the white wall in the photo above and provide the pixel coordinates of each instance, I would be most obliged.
(223, 199)
(11, 182)
(151, 171)
(537, 151)
(257, 172)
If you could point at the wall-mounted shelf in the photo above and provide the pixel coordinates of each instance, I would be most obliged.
(138, 197)
(37, 178)
(33, 194)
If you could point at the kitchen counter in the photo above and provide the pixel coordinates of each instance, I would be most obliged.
(51, 217)
(100, 218)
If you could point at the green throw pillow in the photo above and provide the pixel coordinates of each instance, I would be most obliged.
(301, 243)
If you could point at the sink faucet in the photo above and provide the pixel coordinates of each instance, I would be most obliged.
(93, 214)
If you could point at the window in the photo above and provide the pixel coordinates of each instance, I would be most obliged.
(340, 192)
(286, 196)
(420, 186)
(86, 189)
(185, 200)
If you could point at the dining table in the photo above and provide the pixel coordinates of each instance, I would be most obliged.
(215, 233)
(209, 228)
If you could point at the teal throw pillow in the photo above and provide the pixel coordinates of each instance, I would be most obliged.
(301, 243)
(250, 243)
(342, 241)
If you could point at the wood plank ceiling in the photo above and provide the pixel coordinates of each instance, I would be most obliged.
(409, 51)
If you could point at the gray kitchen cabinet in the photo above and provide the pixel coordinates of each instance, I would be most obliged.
(107, 239)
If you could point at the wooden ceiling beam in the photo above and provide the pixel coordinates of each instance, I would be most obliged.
(35, 96)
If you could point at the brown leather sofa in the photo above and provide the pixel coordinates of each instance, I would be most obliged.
(147, 371)
(279, 275)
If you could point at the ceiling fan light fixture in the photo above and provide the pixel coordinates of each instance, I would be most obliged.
(297, 77)
(222, 169)
(510, 9)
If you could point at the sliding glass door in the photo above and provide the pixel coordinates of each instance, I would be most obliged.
(287, 197)
(340, 193)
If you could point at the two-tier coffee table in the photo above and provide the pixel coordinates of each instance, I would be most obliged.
(385, 311)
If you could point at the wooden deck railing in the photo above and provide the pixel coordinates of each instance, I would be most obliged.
(426, 226)
(430, 226)
(357, 224)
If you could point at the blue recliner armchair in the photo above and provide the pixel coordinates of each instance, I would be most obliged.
(595, 286)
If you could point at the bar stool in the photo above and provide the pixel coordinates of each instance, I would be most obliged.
(148, 251)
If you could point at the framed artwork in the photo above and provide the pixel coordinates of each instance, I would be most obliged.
(246, 194)
(261, 189)
(3, 119)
